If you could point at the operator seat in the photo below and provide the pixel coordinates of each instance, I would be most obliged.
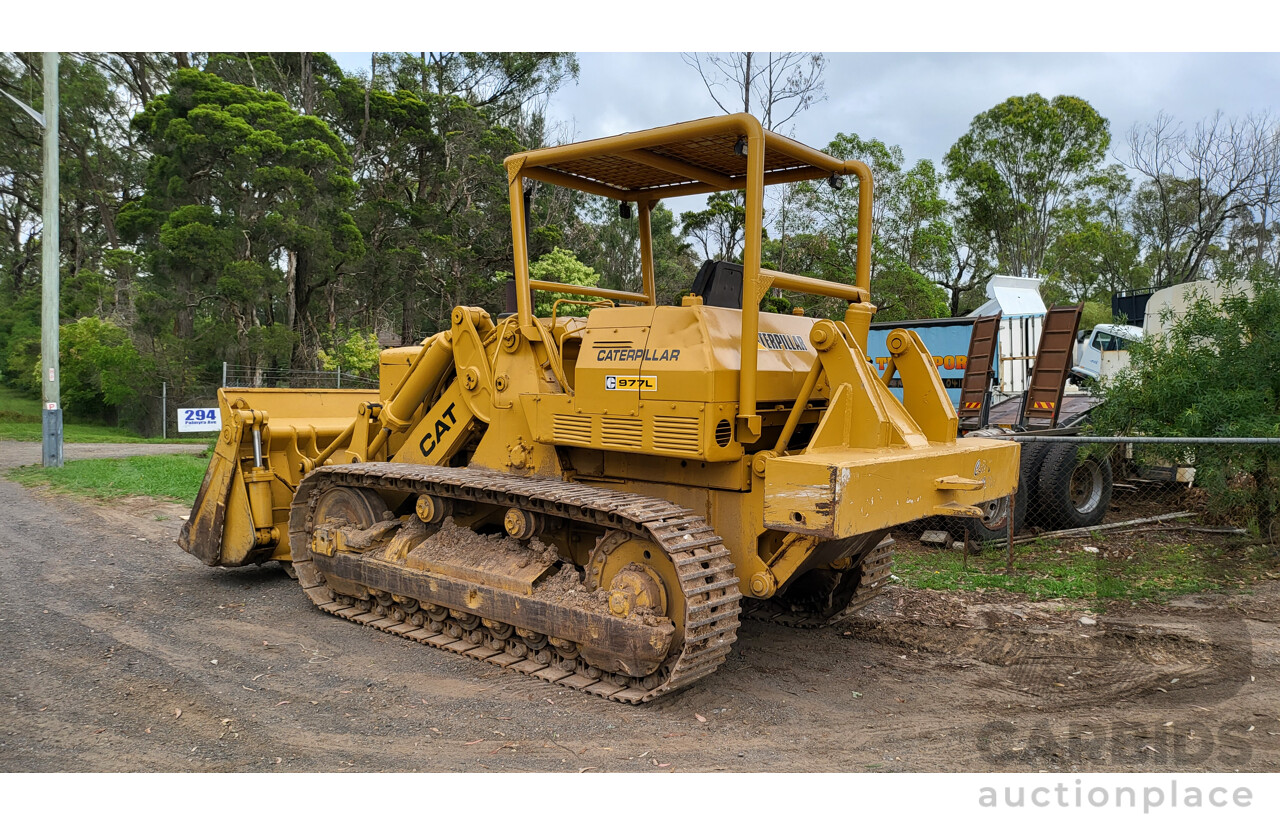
(719, 284)
(567, 334)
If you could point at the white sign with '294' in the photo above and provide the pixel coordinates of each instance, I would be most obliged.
(199, 420)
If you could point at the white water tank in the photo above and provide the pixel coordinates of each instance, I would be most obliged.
(1172, 302)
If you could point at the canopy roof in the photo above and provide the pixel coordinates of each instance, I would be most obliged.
(715, 154)
(687, 158)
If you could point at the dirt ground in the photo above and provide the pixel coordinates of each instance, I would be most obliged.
(119, 652)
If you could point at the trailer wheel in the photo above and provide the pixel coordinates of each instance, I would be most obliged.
(993, 525)
(1032, 459)
(1074, 490)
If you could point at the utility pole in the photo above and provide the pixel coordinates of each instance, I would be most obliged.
(50, 375)
(49, 245)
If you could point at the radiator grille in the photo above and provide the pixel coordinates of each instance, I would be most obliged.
(676, 434)
(621, 432)
(575, 429)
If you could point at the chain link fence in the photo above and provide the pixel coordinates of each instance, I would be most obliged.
(1091, 490)
(1084, 483)
(158, 412)
(160, 416)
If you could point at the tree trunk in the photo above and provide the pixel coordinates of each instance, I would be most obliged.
(77, 239)
(291, 304)
(1263, 505)
(291, 287)
(407, 307)
(368, 90)
(186, 308)
(308, 84)
(124, 295)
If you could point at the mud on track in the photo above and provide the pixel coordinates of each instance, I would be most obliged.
(107, 630)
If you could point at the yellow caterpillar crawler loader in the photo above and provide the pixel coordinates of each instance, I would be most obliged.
(597, 500)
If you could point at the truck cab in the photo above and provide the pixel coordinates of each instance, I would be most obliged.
(1103, 351)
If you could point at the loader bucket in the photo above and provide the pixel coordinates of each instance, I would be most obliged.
(290, 425)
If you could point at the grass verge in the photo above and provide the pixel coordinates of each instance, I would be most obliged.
(20, 421)
(1151, 567)
(173, 477)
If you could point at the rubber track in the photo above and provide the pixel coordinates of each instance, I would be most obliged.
(875, 566)
(700, 558)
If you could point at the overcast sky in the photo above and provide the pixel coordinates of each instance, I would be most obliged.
(922, 102)
(921, 96)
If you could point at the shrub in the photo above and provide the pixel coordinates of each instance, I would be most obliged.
(1214, 372)
(101, 368)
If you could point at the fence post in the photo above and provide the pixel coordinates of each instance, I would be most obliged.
(164, 409)
(339, 372)
(224, 373)
(1008, 533)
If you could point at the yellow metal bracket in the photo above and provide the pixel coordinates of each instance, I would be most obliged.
(470, 327)
(960, 483)
(514, 166)
(923, 394)
(796, 549)
(861, 411)
(763, 285)
(955, 508)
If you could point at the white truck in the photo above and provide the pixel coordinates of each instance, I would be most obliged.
(1103, 351)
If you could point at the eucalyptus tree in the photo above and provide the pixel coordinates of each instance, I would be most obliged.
(909, 231)
(428, 133)
(1018, 164)
(19, 177)
(773, 86)
(100, 168)
(1198, 185)
(1094, 252)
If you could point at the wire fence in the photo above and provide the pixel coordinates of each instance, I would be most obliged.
(239, 375)
(163, 410)
(1092, 489)
(1085, 483)
(161, 413)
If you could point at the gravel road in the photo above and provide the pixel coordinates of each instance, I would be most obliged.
(15, 453)
(119, 652)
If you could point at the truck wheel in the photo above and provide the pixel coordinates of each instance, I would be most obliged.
(1032, 459)
(994, 524)
(1074, 490)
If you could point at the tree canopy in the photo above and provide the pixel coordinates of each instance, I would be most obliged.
(1020, 161)
(276, 210)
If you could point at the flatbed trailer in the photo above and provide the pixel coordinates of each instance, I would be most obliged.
(1060, 485)
(1075, 408)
